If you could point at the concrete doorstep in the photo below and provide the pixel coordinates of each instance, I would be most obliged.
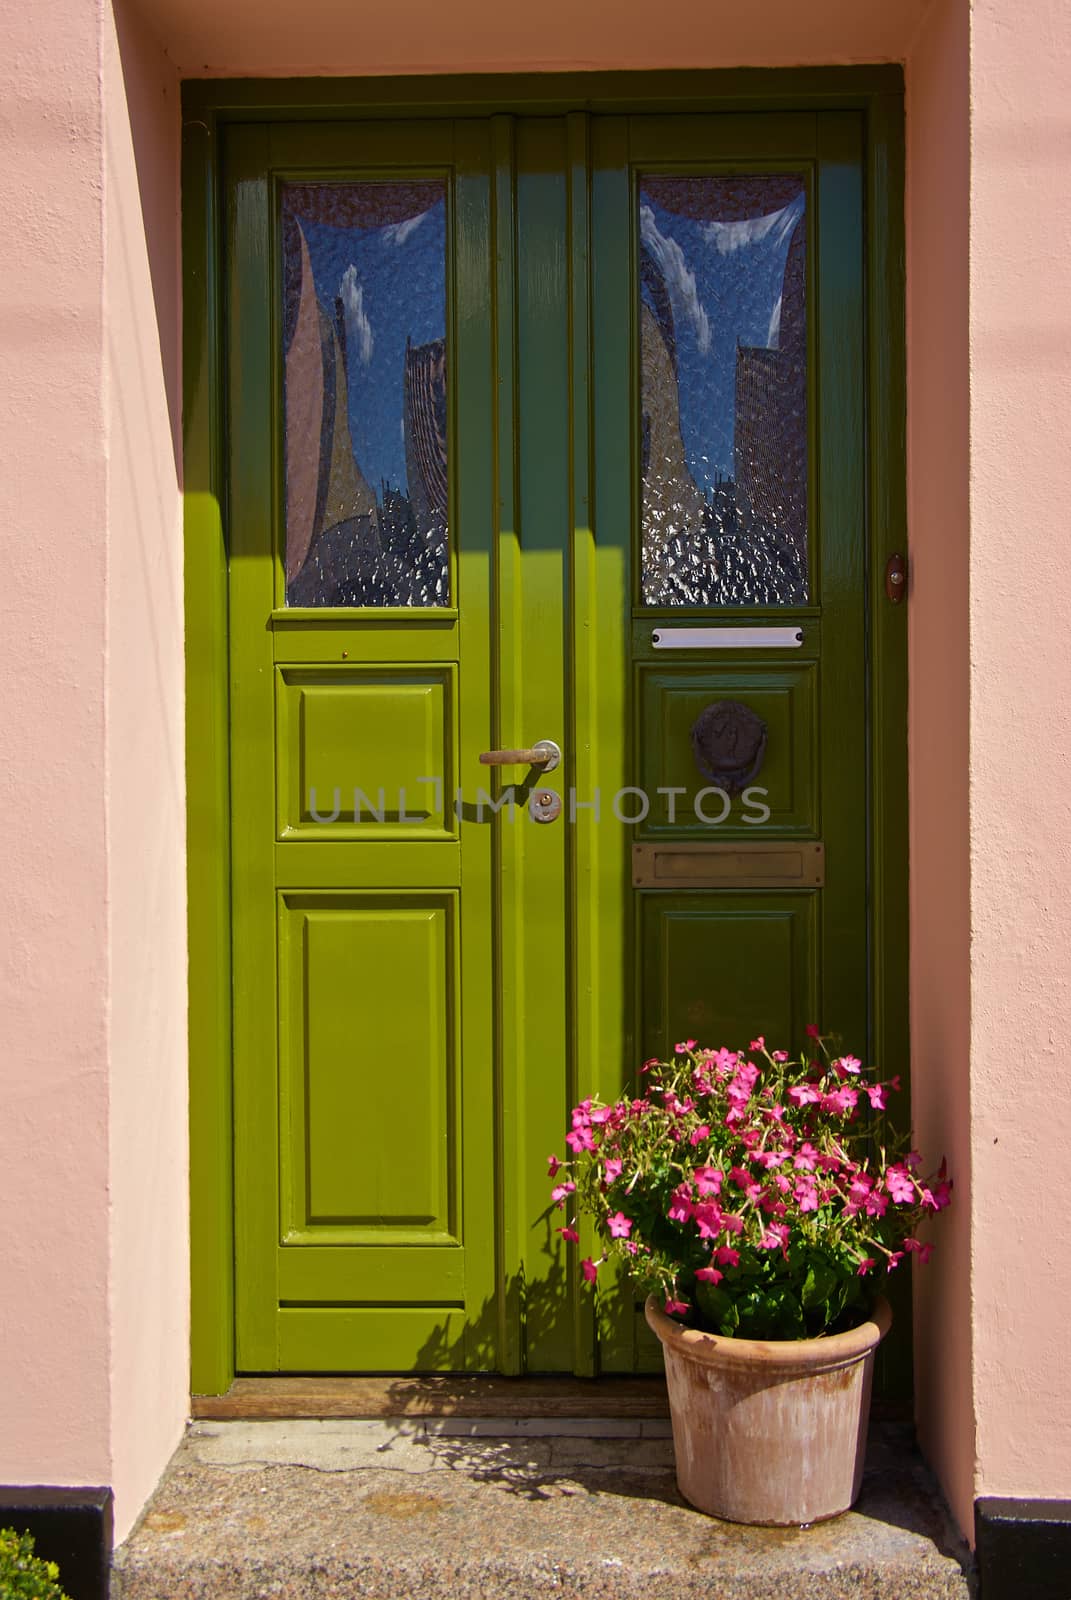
(477, 1509)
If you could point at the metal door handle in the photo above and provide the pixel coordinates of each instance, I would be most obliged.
(544, 753)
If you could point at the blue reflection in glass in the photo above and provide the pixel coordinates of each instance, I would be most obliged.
(723, 363)
(365, 390)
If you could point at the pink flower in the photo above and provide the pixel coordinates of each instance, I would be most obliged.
(769, 1159)
(560, 1190)
(589, 1269)
(916, 1247)
(758, 1044)
(620, 1226)
(877, 1204)
(864, 1266)
(699, 1134)
(708, 1219)
(804, 1094)
(806, 1156)
(570, 1235)
(740, 1176)
(709, 1275)
(708, 1180)
(580, 1139)
(775, 1237)
(731, 1222)
(725, 1063)
(841, 1100)
(681, 1049)
(806, 1194)
(845, 1064)
(681, 1208)
(676, 1308)
(554, 1166)
(602, 1114)
(895, 1259)
(811, 1031)
(743, 1082)
(612, 1169)
(876, 1091)
(726, 1256)
(900, 1184)
(780, 1055)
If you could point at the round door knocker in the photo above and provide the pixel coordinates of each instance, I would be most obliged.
(729, 744)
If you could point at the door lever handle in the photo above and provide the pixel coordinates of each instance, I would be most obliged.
(544, 753)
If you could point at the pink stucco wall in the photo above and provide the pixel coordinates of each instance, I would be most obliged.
(247, 38)
(54, 1316)
(938, 170)
(93, 1321)
(1020, 716)
(149, 1280)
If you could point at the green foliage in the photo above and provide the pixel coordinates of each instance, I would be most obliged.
(763, 1198)
(24, 1576)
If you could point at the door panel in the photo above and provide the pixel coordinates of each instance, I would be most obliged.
(635, 408)
(338, 1184)
(721, 964)
(354, 744)
(669, 700)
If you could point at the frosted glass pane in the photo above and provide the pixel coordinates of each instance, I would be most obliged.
(364, 348)
(723, 360)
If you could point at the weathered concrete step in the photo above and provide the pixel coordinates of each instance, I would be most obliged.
(479, 1510)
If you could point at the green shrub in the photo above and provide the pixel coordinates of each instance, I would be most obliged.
(24, 1576)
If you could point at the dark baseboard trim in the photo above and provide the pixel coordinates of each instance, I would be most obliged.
(72, 1527)
(1023, 1548)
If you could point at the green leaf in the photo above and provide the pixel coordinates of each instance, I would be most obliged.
(818, 1285)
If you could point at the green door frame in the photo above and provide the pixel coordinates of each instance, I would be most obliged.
(207, 106)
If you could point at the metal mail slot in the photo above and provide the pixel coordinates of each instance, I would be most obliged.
(727, 638)
(779, 864)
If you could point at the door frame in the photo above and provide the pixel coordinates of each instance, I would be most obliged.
(207, 106)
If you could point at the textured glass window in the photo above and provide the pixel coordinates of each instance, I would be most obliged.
(723, 360)
(364, 331)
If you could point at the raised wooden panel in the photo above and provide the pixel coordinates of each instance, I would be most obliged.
(368, 1064)
(669, 699)
(379, 731)
(722, 966)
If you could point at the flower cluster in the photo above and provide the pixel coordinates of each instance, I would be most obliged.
(758, 1196)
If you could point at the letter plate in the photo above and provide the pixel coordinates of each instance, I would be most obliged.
(743, 864)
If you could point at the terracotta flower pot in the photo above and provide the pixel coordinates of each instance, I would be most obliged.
(774, 1431)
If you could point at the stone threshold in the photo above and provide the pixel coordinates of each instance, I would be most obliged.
(443, 1396)
(469, 1508)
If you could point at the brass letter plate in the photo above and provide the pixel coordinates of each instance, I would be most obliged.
(744, 864)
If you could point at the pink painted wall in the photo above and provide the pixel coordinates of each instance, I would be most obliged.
(53, 883)
(938, 169)
(1020, 356)
(149, 1286)
(93, 1321)
(247, 38)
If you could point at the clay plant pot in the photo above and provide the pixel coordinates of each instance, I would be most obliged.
(769, 1432)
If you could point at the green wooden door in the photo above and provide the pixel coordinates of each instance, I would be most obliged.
(539, 428)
